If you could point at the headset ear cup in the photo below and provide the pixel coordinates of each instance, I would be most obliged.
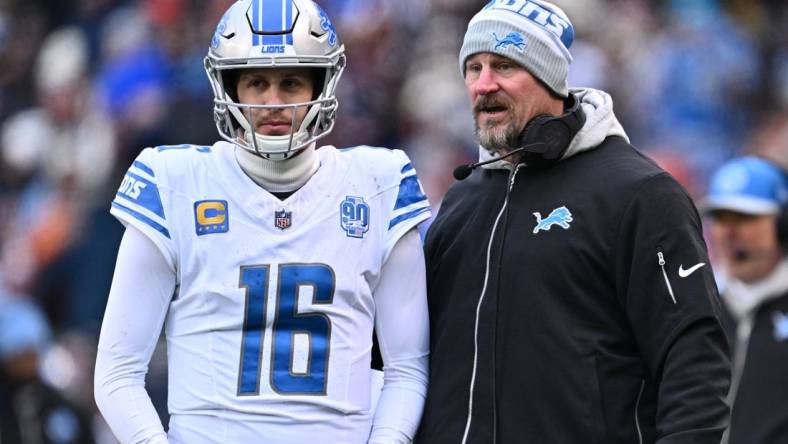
(551, 135)
(533, 129)
(782, 228)
(556, 134)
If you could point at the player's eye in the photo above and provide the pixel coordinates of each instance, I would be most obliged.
(291, 83)
(254, 82)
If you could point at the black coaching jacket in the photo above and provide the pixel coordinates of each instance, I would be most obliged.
(568, 306)
(757, 320)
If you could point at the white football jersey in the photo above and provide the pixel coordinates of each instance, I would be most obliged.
(270, 330)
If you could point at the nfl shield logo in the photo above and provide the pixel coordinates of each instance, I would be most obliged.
(283, 219)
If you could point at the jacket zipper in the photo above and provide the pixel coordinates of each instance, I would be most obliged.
(512, 175)
(661, 258)
(743, 333)
(637, 407)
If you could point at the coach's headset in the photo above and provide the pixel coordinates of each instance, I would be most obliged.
(543, 141)
(781, 223)
(782, 229)
(780, 226)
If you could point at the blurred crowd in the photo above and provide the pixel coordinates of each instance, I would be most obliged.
(86, 84)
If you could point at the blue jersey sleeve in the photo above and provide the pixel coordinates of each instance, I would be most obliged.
(139, 202)
(409, 206)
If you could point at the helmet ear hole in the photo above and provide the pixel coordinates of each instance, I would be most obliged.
(230, 84)
(319, 79)
(230, 81)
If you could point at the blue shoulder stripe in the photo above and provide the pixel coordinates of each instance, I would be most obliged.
(143, 218)
(185, 146)
(144, 167)
(406, 168)
(409, 192)
(406, 216)
(141, 191)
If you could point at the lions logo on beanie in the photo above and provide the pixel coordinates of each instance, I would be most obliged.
(534, 33)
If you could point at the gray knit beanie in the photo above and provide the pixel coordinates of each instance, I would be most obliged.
(534, 33)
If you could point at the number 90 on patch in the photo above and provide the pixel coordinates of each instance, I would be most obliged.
(354, 216)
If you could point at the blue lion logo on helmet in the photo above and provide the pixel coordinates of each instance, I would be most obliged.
(327, 26)
(220, 29)
(512, 39)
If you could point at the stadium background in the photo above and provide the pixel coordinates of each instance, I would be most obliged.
(86, 84)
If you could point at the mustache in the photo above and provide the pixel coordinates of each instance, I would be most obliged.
(485, 102)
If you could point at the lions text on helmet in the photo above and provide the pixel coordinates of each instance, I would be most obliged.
(267, 48)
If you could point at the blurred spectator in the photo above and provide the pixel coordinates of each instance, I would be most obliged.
(179, 28)
(592, 65)
(746, 197)
(63, 150)
(702, 69)
(435, 128)
(770, 138)
(22, 28)
(31, 412)
(133, 77)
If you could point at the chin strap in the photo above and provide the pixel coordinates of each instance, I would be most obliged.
(279, 176)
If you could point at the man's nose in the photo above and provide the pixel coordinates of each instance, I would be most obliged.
(274, 97)
(733, 234)
(487, 83)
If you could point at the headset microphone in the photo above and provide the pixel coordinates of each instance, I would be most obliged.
(741, 255)
(744, 254)
(463, 171)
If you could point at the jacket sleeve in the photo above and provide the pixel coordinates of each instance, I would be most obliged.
(666, 285)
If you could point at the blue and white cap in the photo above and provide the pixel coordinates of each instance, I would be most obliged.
(748, 185)
(534, 33)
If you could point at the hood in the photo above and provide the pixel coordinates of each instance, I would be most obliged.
(600, 124)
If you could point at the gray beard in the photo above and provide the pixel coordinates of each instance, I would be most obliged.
(496, 139)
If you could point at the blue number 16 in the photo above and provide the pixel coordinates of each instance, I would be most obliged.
(287, 323)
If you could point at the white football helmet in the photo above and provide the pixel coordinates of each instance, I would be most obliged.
(274, 34)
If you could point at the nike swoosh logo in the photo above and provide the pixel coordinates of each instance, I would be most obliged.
(684, 273)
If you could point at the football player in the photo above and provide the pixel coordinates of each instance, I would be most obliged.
(267, 261)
